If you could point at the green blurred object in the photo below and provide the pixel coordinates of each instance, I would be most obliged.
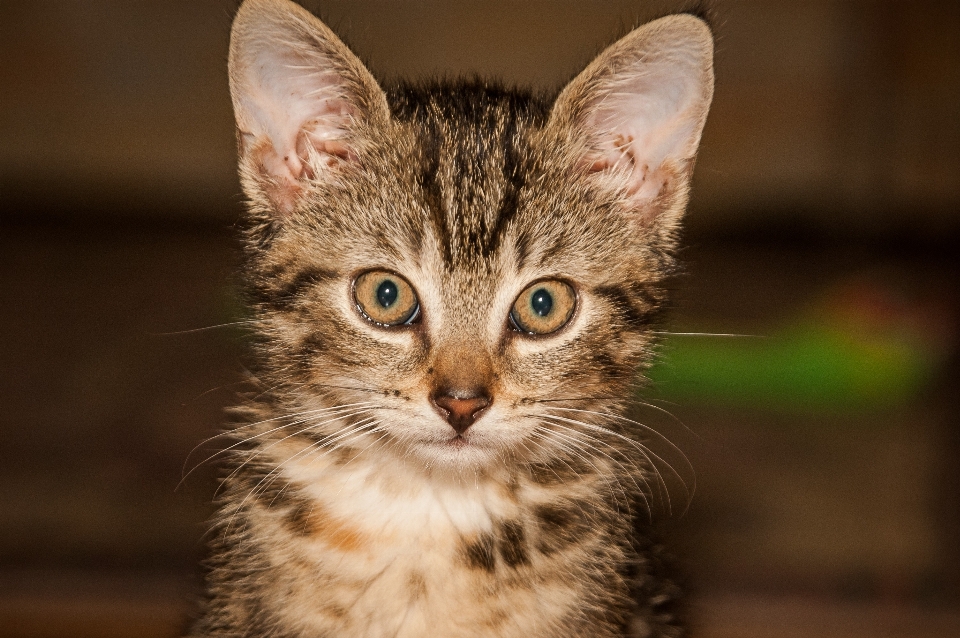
(807, 367)
(865, 344)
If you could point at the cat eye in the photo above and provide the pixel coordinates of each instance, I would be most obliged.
(544, 307)
(386, 298)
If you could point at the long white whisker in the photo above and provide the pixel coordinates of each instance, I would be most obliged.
(706, 334)
(553, 440)
(662, 489)
(644, 450)
(351, 433)
(312, 413)
(541, 432)
(574, 450)
(639, 446)
(590, 442)
(594, 442)
(668, 413)
(291, 415)
(310, 426)
(620, 417)
(646, 428)
(214, 327)
(274, 473)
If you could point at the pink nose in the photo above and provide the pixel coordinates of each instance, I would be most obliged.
(460, 411)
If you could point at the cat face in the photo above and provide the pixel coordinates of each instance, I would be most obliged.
(462, 274)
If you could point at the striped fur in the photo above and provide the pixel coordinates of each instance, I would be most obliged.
(350, 508)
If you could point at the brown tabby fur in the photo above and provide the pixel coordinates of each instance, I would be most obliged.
(346, 512)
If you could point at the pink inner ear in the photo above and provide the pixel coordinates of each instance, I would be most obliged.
(644, 135)
(293, 106)
(310, 119)
(643, 180)
(317, 150)
(304, 141)
(298, 93)
(280, 185)
(642, 185)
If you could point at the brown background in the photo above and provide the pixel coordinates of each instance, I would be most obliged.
(832, 154)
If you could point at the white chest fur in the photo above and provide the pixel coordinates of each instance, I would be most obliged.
(378, 549)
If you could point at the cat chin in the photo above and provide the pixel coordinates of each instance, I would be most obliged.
(457, 454)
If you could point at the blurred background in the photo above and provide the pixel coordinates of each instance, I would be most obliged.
(824, 228)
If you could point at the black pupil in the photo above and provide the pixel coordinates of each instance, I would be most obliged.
(541, 302)
(387, 293)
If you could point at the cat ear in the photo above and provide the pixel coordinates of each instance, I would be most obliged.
(300, 96)
(636, 113)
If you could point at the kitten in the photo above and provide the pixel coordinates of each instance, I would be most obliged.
(453, 289)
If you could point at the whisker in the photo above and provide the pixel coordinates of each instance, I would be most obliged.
(566, 448)
(669, 414)
(707, 334)
(596, 398)
(644, 450)
(261, 450)
(203, 329)
(576, 453)
(274, 473)
(278, 384)
(539, 433)
(372, 428)
(345, 387)
(291, 415)
(350, 433)
(539, 430)
(645, 427)
(591, 441)
(217, 389)
(232, 432)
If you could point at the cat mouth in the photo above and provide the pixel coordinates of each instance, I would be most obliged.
(457, 442)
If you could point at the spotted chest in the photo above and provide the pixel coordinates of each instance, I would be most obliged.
(371, 549)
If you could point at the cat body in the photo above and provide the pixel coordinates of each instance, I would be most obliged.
(453, 289)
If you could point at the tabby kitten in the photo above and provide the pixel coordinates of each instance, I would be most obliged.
(453, 288)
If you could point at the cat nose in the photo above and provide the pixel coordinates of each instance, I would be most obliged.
(460, 409)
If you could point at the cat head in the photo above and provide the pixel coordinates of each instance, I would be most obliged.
(463, 268)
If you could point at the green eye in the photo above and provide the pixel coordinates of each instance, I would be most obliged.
(386, 298)
(544, 307)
